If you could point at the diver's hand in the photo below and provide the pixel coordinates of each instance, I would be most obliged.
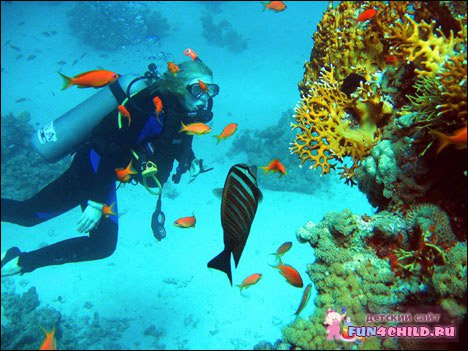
(91, 217)
(195, 169)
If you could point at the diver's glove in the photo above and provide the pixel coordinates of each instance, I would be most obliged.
(91, 217)
(197, 167)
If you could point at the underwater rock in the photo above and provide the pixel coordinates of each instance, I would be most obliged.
(24, 172)
(22, 313)
(264, 345)
(222, 34)
(111, 25)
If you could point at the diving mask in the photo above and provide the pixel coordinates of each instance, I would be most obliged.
(195, 89)
(150, 172)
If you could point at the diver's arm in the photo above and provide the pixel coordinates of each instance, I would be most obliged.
(104, 156)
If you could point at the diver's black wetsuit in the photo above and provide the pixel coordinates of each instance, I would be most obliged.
(92, 176)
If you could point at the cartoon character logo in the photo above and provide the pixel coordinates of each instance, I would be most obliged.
(333, 320)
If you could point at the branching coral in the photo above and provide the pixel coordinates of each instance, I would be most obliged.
(326, 130)
(408, 56)
(422, 44)
(424, 257)
(438, 52)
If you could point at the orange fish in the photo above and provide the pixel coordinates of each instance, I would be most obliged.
(366, 15)
(124, 174)
(202, 86)
(250, 280)
(191, 53)
(107, 210)
(124, 112)
(292, 275)
(228, 131)
(458, 138)
(158, 105)
(275, 166)
(173, 68)
(391, 60)
(96, 79)
(282, 249)
(276, 6)
(186, 222)
(195, 128)
(49, 342)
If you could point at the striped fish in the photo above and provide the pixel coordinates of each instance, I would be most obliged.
(240, 198)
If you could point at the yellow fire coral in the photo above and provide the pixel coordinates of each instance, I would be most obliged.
(422, 44)
(439, 58)
(406, 54)
(351, 48)
(326, 132)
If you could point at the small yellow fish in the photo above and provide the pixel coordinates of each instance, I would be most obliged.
(195, 128)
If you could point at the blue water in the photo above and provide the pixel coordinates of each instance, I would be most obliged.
(167, 284)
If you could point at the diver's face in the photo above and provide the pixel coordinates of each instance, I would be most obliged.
(193, 102)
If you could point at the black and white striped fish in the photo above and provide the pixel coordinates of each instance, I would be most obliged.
(240, 198)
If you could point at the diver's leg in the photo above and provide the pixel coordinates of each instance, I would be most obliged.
(63, 194)
(101, 243)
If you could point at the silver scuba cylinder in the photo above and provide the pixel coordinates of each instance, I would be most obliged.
(61, 136)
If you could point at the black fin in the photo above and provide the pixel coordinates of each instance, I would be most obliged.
(237, 252)
(222, 262)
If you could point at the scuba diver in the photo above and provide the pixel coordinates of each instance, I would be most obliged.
(108, 147)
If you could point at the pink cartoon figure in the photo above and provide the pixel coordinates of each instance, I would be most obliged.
(333, 320)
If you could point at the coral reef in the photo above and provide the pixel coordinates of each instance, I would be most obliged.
(374, 264)
(22, 313)
(24, 171)
(261, 146)
(398, 75)
(222, 34)
(372, 94)
(111, 25)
